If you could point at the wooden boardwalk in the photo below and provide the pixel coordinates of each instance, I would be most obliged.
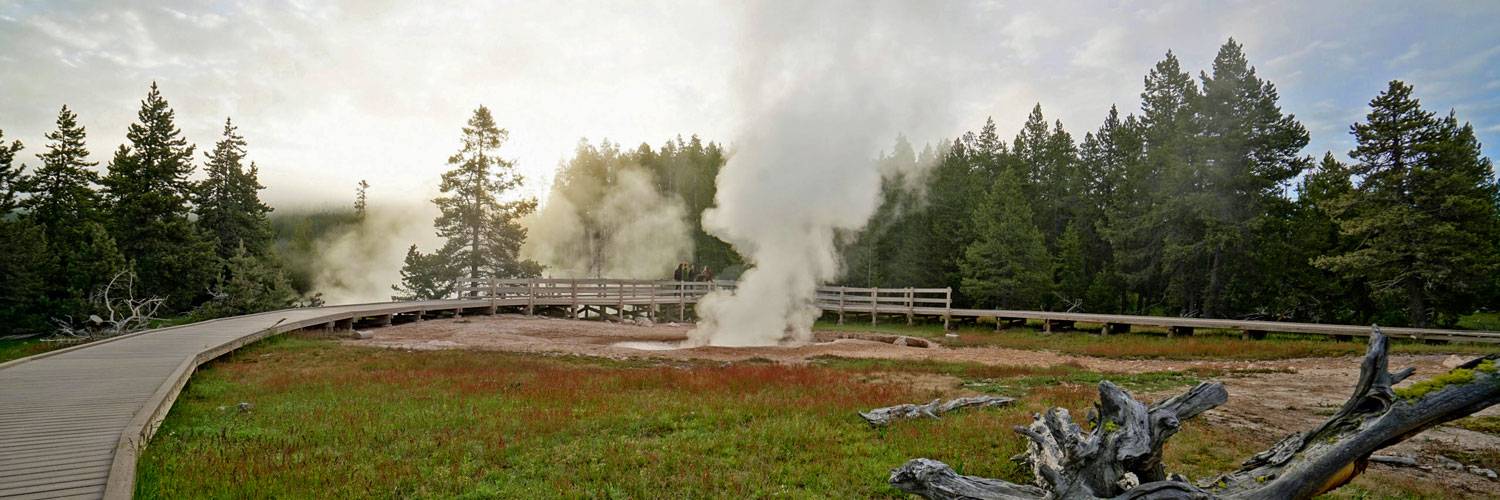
(72, 421)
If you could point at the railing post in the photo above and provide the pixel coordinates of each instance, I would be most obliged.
(652, 313)
(947, 307)
(620, 303)
(573, 294)
(493, 305)
(874, 305)
(841, 305)
(681, 302)
(909, 308)
(530, 296)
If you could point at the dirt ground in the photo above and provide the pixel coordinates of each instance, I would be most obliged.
(1271, 397)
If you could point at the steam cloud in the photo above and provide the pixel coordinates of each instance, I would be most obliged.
(636, 231)
(820, 97)
(360, 265)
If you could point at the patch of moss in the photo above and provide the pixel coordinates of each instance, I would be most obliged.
(1419, 389)
(1110, 426)
(1487, 366)
(1487, 424)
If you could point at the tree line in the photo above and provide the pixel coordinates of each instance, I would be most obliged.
(201, 246)
(1203, 205)
(482, 230)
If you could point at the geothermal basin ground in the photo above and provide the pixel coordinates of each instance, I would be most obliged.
(517, 406)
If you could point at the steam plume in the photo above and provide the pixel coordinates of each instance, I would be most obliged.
(360, 264)
(820, 97)
(626, 229)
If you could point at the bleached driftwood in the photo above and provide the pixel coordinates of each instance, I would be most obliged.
(116, 299)
(1120, 457)
(884, 416)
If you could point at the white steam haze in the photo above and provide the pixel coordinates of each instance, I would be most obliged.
(822, 96)
(360, 264)
(637, 232)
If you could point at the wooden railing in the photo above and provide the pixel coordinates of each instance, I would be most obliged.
(652, 295)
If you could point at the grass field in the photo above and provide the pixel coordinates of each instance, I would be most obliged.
(1146, 343)
(330, 420)
(16, 349)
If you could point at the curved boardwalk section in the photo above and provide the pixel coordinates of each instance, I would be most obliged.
(71, 421)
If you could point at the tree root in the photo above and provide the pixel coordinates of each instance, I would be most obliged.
(1120, 456)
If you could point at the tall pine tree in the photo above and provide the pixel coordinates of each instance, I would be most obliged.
(484, 234)
(1247, 152)
(1423, 214)
(1007, 265)
(149, 192)
(24, 261)
(65, 205)
(12, 177)
(228, 200)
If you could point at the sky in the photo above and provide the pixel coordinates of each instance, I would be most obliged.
(328, 93)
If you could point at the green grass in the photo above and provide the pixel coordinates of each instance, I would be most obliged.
(1481, 321)
(330, 420)
(1019, 381)
(335, 421)
(1147, 343)
(17, 349)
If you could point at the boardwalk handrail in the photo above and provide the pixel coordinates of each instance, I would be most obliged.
(913, 302)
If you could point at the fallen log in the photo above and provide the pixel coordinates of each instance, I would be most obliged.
(1120, 456)
(884, 416)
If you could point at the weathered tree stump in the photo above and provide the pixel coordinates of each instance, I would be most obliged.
(1120, 457)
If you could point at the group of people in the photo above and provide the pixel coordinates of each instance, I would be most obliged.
(688, 272)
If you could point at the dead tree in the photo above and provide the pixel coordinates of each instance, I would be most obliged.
(881, 417)
(1120, 457)
(125, 312)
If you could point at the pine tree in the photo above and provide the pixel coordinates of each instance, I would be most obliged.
(989, 152)
(12, 176)
(24, 267)
(251, 285)
(1247, 152)
(1119, 190)
(65, 205)
(1146, 221)
(1073, 276)
(359, 198)
(484, 234)
(1313, 293)
(1424, 213)
(228, 200)
(24, 261)
(148, 192)
(1007, 265)
(427, 276)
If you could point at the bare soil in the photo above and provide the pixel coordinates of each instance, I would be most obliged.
(1271, 398)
